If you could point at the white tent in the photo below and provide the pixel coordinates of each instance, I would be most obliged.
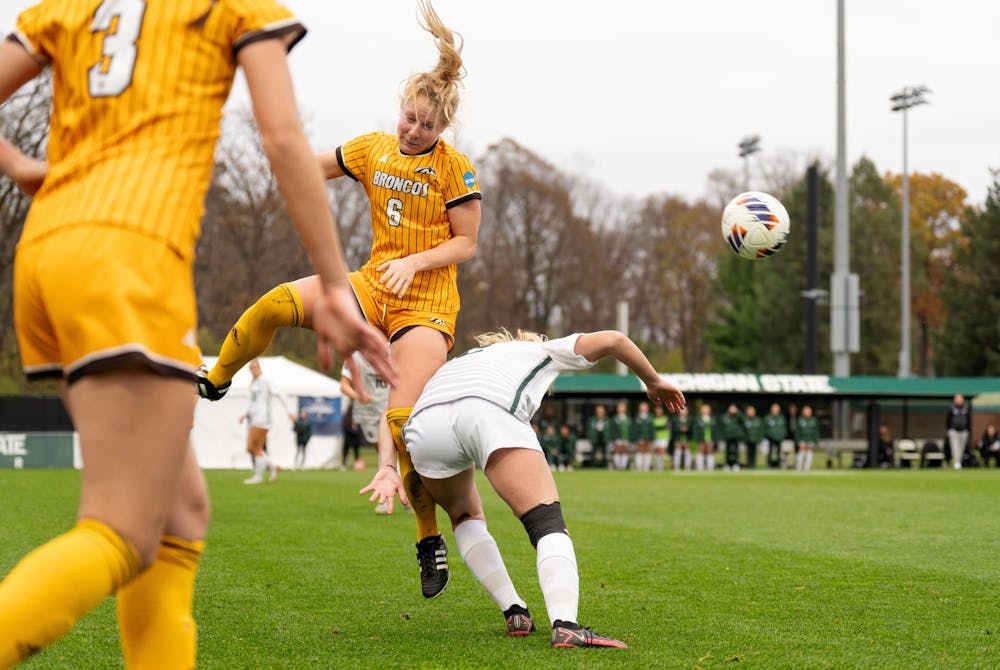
(219, 437)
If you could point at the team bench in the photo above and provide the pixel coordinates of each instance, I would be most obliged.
(856, 448)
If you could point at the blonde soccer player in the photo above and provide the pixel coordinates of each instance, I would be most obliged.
(424, 197)
(476, 412)
(259, 420)
(104, 297)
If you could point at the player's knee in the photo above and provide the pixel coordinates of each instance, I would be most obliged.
(279, 307)
(543, 520)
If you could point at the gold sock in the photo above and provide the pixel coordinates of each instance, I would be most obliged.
(251, 336)
(157, 629)
(420, 499)
(52, 587)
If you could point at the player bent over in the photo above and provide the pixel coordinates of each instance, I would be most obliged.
(475, 412)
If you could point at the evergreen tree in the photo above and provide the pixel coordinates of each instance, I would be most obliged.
(875, 253)
(971, 342)
(760, 325)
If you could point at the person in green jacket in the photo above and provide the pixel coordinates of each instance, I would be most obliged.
(753, 430)
(599, 435)
(643, 431)
(682, 441)
(567, 447)
(775, 431)
(303, 431)
(661, 436)
(704, 431)
(622, 434)
(549, 440)
(807, 435)
(731, 425)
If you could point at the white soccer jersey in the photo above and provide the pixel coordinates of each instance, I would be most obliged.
(368, 415)
(261, 392)
(513, 375)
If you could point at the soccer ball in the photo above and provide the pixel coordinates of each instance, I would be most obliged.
(755, 225)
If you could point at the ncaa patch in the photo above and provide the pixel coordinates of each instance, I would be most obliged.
(470, 179)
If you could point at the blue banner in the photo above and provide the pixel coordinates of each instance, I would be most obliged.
(324, 413)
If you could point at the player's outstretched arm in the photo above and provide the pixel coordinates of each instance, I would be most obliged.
(594, 346)
(336, 320)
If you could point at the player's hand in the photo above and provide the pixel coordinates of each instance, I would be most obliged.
(664, 393)
(338, 325)
(397, 275)
(384, 486)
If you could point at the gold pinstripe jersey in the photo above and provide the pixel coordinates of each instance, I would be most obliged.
(138, 89)
(410, 197)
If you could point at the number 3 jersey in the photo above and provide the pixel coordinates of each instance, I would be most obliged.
(138, 89)
(410, 197)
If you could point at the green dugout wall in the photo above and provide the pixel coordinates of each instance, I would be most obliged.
(36, 450)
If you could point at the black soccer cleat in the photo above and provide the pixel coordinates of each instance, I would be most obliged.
(519, 621)
(207, 389)
(568, 634)
(432, 556)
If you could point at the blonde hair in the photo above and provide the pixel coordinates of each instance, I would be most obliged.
(503, 335)
(440, 85)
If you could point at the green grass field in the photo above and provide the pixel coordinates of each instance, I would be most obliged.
(841, 569)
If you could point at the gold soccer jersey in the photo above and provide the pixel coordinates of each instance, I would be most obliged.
(410, 197)
(138, 89)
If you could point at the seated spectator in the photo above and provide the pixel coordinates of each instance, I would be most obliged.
(970, 459)
(886, 450)
(989, 446)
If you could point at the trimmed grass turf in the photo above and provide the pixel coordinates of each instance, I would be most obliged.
(841, 569)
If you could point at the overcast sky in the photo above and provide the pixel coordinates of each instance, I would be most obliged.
(648, 97)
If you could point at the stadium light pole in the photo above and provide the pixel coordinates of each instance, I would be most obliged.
(909, 97)
(749, 145)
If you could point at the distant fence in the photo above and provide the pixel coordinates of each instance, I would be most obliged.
(33, 413)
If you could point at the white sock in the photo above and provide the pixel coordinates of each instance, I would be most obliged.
(699, 462)
(710, 462)
(800, 458)
(808, 460)
(263, 463)
(480, 552)
(558, 576)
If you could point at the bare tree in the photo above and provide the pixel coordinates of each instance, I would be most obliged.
(248, 244)
(538, 260)
(24, 122)
(669, 274)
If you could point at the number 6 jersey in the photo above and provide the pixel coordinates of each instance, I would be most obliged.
(410, 197)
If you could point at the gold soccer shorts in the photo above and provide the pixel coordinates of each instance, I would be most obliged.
(93, 297)
(393, 320)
